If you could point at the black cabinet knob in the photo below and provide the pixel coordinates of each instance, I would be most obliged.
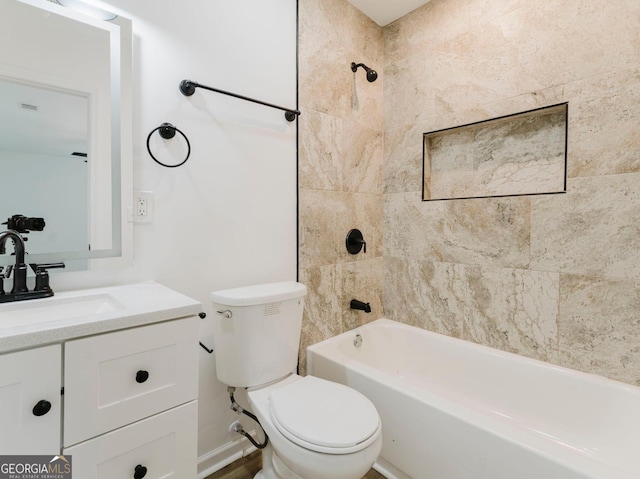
(142, 376)
(41, 408)
(139, 472)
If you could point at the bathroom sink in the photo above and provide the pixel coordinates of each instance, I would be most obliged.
(54, 309)
(84, 312)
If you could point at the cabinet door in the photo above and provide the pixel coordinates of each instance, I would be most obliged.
(160, 447)
(118, 378)
(30, 401)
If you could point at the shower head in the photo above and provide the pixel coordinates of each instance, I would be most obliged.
(372, 75)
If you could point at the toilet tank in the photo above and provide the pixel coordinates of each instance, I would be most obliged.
(257, 332)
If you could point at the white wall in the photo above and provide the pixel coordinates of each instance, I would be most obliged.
(228, 216)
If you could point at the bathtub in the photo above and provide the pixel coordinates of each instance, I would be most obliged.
(452, 409)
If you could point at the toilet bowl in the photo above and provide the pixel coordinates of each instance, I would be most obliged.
(317, 429)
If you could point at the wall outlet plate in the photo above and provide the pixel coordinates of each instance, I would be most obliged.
(143, 207)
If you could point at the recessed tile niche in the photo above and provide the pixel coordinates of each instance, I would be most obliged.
(520, 154)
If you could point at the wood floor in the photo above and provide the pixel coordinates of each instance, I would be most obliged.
(247, 467)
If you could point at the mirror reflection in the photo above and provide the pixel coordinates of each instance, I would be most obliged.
(60, 113)
(43, 153)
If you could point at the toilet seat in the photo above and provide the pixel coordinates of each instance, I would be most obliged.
(324, 416)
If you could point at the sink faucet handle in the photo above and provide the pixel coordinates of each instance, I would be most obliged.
(42, 275)
(46, 266)
(7, 272)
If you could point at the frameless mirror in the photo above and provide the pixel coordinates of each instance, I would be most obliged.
(64, 101)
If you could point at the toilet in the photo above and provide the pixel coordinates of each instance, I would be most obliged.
(317, 429)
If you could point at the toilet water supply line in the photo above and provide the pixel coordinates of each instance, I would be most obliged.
(238, 427)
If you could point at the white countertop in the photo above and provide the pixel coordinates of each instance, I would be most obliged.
(73, 314)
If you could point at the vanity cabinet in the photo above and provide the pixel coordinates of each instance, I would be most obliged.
(162, 446)
(114, 379)
(30, 383)
(129, 402)
(130, 405)
(108, 376)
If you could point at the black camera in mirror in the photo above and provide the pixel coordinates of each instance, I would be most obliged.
(24, 224)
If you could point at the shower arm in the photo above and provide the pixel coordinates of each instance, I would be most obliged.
(188, 88)
(372, 75)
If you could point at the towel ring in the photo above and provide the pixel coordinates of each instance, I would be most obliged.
(168, 131)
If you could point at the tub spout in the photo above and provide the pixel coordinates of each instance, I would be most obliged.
(355, 304)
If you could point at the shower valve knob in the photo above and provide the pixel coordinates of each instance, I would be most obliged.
(355, 242)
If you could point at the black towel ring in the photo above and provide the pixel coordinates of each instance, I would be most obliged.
(168, 131)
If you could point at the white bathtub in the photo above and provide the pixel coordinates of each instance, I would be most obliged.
(452, 409)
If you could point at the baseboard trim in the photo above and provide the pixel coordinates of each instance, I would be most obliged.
(388, 470)
(222, 456)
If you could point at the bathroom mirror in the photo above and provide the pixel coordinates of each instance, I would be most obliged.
(520, 154)
(65, 141)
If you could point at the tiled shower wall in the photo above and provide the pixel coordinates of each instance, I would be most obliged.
(552, 277)
(340, 172)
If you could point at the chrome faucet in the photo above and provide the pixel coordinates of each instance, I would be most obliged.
(20, 268)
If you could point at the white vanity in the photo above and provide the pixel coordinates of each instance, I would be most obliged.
(108, 376)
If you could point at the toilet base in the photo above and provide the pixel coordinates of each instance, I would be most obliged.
(267, 471)
(273, 467)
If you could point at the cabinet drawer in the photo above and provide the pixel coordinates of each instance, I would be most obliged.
(118, 378)
(26, 379)
(164, 445)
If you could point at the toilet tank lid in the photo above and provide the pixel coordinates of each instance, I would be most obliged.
(259, 294)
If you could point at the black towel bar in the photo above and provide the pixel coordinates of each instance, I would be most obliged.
(188, 88)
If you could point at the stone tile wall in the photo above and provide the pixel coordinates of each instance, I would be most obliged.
(553, 277)
(340, 167)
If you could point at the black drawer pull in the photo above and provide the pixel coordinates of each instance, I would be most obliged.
(139, 472)
(142, 376)
(41, 408)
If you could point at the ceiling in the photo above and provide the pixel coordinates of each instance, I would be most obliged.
(384, 12)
